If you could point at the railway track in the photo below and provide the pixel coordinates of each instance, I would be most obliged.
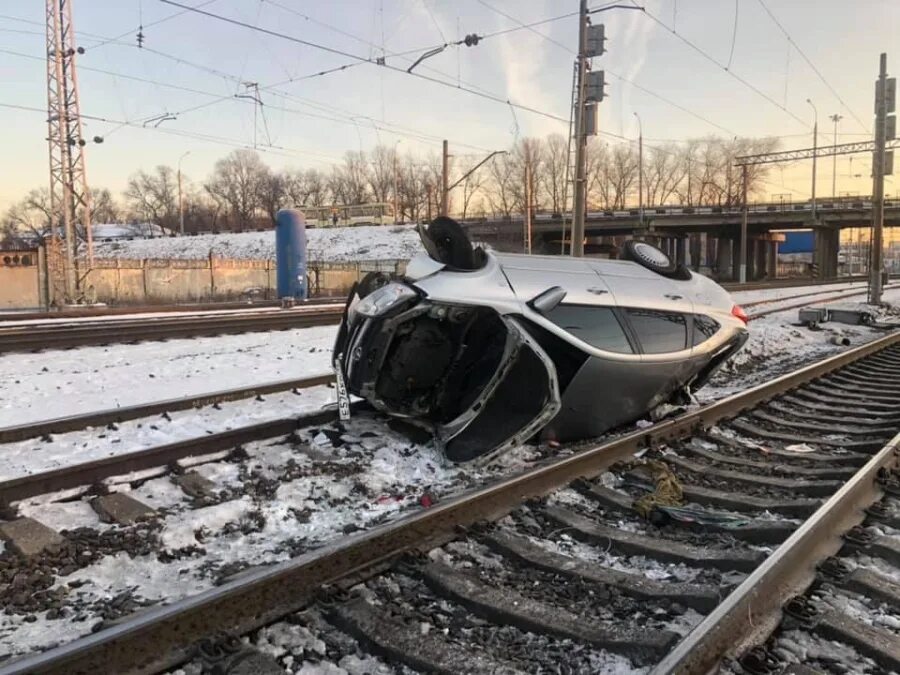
(121, 414)
(26, 337)
(805, 303)
(763, 520)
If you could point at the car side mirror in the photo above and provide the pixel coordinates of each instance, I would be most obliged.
(548, 300)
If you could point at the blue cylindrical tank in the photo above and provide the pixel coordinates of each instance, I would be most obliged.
(290, 253)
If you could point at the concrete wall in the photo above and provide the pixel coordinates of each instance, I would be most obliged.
(19, 280)
(124, 282)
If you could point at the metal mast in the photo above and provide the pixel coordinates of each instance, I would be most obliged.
(68, 181)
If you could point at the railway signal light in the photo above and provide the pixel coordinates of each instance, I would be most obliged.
(596, 37)
(595, 88)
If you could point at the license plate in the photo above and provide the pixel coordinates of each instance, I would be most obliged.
(343, 398)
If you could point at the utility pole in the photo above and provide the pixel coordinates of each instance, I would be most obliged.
(815, 147)
(885, 102)
(396, 185)
(577, 246)
(640, 170)
(181, 196)
(527, 203)
(68, 179)
(428, 190)
(590, 89)
(445, 181)
(834, 118)
(744, 214)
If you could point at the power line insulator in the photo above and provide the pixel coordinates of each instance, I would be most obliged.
(140, 37)
(472, 39)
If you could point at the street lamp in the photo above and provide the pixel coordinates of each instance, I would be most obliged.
(815, 147)
(180, 197)
(640, 171)
(834, 118)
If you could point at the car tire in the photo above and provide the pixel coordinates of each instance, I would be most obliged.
(449, 244)
(647, 255)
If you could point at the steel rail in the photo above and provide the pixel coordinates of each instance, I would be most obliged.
(769, 301)
(86, 311)
(69, 423)
(162, 637)
(88, 473)
(756, 603)
(28, 338)
(807, 303)
(734, 286)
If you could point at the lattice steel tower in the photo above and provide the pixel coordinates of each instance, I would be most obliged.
(68, 181)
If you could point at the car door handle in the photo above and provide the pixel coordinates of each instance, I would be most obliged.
(673, 296)
(597, 291)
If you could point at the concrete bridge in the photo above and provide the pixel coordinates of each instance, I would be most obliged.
(699, 236)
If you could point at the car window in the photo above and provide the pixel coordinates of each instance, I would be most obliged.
(704, 328)
(659, 332)
(598, 326)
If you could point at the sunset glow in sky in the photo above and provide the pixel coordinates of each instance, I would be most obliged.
(192, 66)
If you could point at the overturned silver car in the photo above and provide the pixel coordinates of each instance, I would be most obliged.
(489, 350)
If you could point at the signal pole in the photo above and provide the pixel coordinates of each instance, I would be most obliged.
(577, 247)
(528, 199)
(68, 180)
(445, 181)
(884, 102)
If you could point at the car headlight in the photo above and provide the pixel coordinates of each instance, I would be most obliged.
(380, 301)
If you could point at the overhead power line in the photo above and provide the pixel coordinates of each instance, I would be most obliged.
(713, 60)
(622, 78)
(340, 52)
(812, 65)
(220, 140)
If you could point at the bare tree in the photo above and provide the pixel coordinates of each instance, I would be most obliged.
(272, 192)
(664, 169)
(471, 184)
(556, 157)
(355, 176)
(504, 179)
(235, 182)
(153, 196)
(104, 208)
(382, 174)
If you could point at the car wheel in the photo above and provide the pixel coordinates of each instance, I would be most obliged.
(650, 257)
(446, 242)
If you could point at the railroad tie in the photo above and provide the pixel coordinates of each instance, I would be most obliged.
(407, 644)
(702, 597)
(631, 543)
(506, 606)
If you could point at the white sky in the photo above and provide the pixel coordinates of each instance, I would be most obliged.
(313, 121)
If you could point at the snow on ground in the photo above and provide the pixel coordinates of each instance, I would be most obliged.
(778, 343)
(54, 383)
(35, 454)
(59, 322)
(788, 292)
(333, 244)
(288, 496)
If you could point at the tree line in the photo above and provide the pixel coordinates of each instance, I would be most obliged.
(243, 192)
